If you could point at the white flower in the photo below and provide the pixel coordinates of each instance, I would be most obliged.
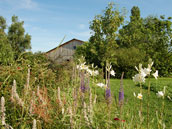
(112, 72)
(160, 94)
(136, 68)
(139, 96)
(82, 66)
(92, 65)
(143, 73)
(77, 66)
(90, 71)
(147, 71)
(134, 94)
(95, 73)
(139, 78)
(155, 74)
(101, 85)
(169, 98)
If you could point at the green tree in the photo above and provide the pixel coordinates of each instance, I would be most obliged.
(130, 52)
(132, 34)
(102, 43)
(158, 44)
(151, 36)
(19, 41)
(6, 53)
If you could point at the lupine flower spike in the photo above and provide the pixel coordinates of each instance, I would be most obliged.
(83, 88)
(121, 91)
(108, 91)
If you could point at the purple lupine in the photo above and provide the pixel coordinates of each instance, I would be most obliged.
(83, 88)
(108, 91)
(88, 83)
(121, 91)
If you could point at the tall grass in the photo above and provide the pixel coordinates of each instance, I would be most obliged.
(41, 98)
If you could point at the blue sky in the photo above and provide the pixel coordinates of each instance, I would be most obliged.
(48, 21)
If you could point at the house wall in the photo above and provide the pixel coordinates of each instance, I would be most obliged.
(65, 52)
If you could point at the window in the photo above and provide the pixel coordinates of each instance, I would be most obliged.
(74, 47)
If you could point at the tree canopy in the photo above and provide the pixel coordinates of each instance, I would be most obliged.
(102, 43)
(135, 42)
(19, 41)
(14, 42)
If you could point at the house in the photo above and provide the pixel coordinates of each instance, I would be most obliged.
(64, 52)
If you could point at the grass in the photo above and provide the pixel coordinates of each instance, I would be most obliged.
(73, 109)
(132, 103)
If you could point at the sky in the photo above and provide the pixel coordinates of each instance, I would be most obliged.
(50, 21)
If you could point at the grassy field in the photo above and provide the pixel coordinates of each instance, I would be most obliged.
(58, 102)
(132, 104)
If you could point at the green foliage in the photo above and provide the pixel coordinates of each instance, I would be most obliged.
(127, 59)
(102, 43)
(15, 42)
(19, 41)
(152, 36)
(6, 53)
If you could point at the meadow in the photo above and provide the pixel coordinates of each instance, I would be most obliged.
(35, 96)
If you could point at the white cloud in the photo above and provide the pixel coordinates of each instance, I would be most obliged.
(21, 4)
(84, 34)
(81, 26)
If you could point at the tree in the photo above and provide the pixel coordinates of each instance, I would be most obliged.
(19, 41)
(6, 53)
(151, 36)
(102, 43)
(132, 34)
(158, 43)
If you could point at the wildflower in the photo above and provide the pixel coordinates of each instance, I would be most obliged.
(77, 66)
(101, 85)
(83, 66)
(146, 71)
(92, 65)
(117, 119)
(121, 91)
(150, 64)
(108, 95)
(139, 78)
(83, 88)
(169, 98)
(112, 72)
(3, 110)
(155, 74)
(134, 94)
(18, 68)
(95, 73)
(160, 94)
(15, 96)
(139, 96)
(121, 96)
(34, 124)
(90, 71)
